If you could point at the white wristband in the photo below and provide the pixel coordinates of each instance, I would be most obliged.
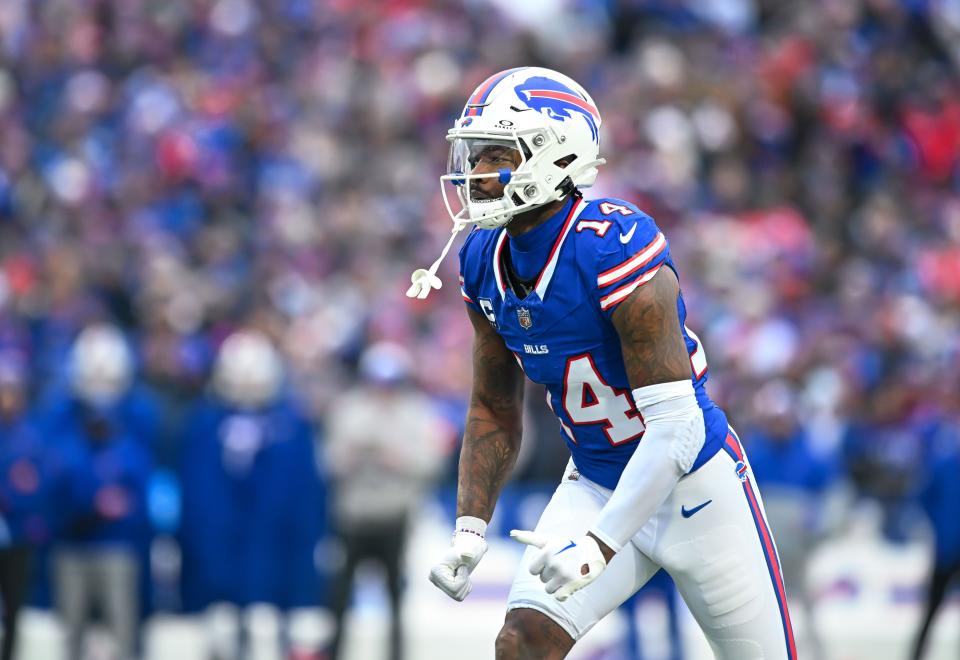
(471, 525)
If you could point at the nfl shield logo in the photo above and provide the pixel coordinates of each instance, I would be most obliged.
(523, 315)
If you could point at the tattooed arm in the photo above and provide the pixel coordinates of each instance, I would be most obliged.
(659, 370)
(492, 437)
(490, 446)
(649, 328)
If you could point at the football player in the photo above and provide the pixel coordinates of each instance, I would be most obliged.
(583, 297)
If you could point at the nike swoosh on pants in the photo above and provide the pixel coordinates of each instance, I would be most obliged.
(686, 513)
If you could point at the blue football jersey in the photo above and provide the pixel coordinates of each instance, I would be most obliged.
(562, 335)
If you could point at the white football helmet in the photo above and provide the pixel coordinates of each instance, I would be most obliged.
(544, 115)
(100, 365)
(248, 372)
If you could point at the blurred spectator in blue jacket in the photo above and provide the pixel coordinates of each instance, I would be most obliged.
(384, 447)
(781, 452)
(795, 482)
(253, 501)
(940, 498)
(26, 519)
(885, 455)
(100, 372)
(101, 497)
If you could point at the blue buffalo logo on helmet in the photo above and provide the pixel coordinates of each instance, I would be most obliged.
(557, 101)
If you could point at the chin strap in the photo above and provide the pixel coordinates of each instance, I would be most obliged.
(425, 280)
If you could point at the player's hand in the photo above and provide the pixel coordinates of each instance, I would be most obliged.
(452, 573)
(565, 565)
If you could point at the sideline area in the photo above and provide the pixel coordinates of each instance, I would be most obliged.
(866, 597)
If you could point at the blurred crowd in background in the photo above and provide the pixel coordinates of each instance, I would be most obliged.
(209, 211)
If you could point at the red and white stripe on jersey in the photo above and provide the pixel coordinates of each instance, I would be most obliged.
(463, 292)
(498, 265)
(618, 295)
(546, 275)
(624, 270)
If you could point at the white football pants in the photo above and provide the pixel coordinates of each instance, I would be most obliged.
(711, 536)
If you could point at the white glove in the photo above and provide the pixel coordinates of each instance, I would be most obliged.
(452, 572)
(565, 565)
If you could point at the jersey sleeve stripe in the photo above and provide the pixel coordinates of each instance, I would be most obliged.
(463, 292)
(618, 295)
(634, 263)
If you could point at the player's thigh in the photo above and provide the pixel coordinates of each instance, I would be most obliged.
(571, 510)
(724, 563)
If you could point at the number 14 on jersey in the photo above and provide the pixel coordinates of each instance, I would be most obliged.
(589, 399)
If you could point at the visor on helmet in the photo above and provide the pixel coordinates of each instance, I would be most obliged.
(468, 153)
(482, 157)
